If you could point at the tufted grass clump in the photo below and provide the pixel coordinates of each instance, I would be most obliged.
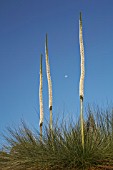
(62, 148)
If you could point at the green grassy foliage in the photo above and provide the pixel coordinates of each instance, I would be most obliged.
(61, 148)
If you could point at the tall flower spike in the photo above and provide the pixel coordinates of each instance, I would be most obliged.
(40, 94)
(81, 85)
(49, 80)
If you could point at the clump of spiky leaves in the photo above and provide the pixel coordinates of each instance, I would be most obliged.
(63, 149)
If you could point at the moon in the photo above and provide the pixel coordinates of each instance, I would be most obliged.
(66, 76)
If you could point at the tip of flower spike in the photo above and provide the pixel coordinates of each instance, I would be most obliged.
(46, 40)
(41, 63)
(41, 59)
(80, 16)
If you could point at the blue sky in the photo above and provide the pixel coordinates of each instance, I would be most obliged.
(23, 25)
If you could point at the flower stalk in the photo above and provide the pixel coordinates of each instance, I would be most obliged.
(49, 80)
(41, 99)
(81, 85)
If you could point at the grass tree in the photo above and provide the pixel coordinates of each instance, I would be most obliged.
(41, 98)
(49, 80)
(81, 85)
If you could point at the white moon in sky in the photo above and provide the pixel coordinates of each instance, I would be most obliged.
(66, 76)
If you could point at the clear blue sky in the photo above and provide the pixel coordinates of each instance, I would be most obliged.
(23, 25)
